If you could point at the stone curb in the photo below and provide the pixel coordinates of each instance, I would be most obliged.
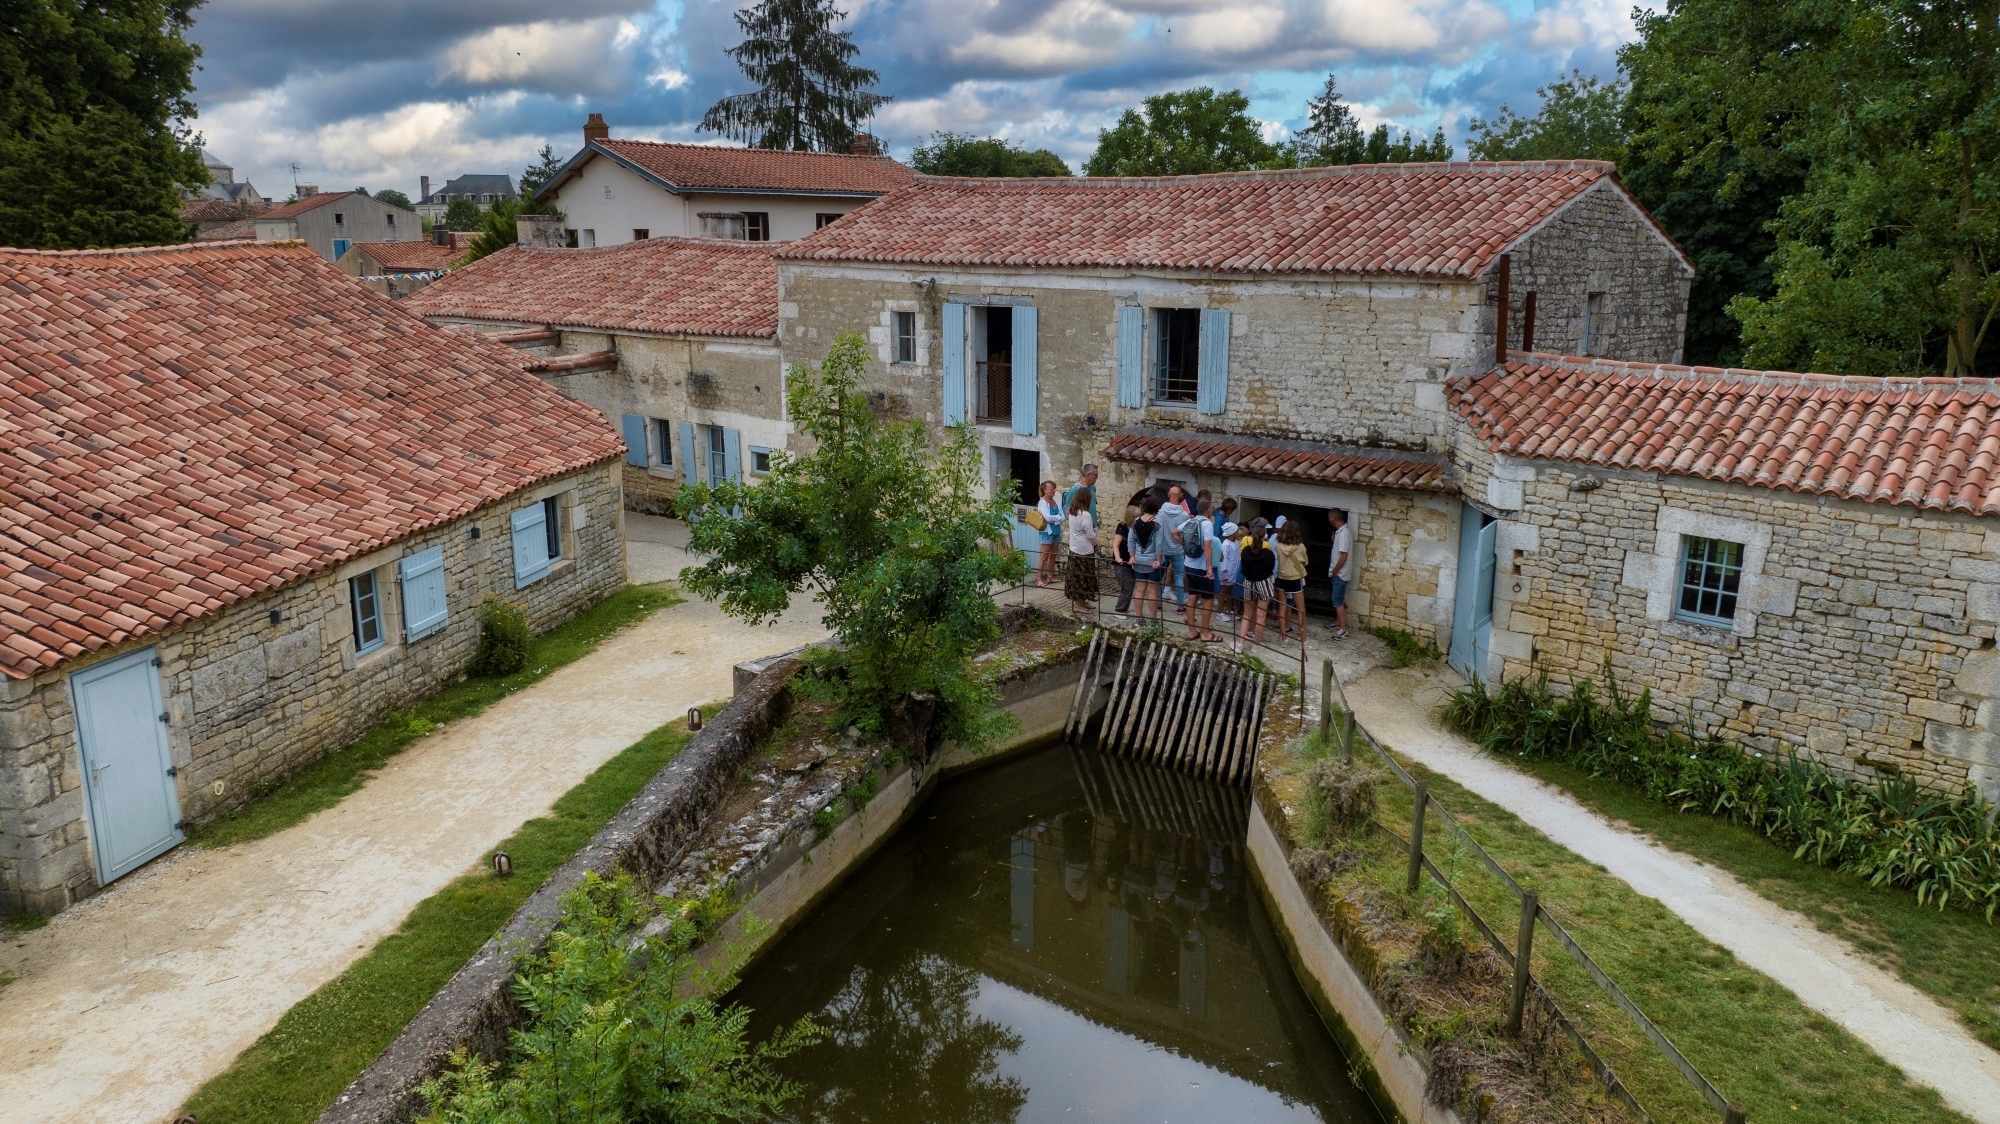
(476, 1009)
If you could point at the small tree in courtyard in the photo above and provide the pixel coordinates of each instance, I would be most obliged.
(886, 526)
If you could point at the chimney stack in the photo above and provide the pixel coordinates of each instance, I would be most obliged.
(540, 231)
(865, 144)
(595, 129)
(423, 188)
(308, 190)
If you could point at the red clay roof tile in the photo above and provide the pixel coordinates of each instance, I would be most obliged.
(1313, 462)
(413, 256)
(696, 286)
(187, 427)
(1920, 442)
(715, 167)
(1413, 220)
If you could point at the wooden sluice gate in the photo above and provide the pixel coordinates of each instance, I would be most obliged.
(1196, 711)
(1160, 799)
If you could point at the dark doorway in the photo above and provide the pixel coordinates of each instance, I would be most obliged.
(1318, 535)
(1025, 466)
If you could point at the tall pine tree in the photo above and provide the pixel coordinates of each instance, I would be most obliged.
(809, 94)
(1333, 136)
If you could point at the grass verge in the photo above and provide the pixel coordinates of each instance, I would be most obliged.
(325, 784)
(1951, 955)
(294, 1072)
(1762, 1046)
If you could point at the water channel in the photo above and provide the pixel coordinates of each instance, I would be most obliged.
(1059, 937)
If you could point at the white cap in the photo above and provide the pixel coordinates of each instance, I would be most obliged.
(1279, 523)
(1228, 529)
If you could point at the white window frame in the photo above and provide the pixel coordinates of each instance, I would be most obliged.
(898, 320)
(380, 616)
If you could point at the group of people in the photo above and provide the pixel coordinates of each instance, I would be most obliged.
(1171, 546)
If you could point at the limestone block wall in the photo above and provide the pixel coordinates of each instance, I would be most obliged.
(1599, 244)
(252, 698)
(1864, 635)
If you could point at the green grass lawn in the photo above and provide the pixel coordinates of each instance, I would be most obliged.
(324, 784)
(293, 1073)
(1952, 955)
(1756, 1040)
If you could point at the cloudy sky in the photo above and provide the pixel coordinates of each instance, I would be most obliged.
(375, 93)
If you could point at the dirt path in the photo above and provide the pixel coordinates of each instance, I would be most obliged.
(125, 1004)
(1897, 1021)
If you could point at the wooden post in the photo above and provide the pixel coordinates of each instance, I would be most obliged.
(1417, 838)
(1528, 321)
(1325, 698)
(1524, 951)
(1733, 1115)
(1347, 734)
(1500, 321)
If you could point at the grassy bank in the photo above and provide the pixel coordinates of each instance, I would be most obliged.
(1762, 1046)
(293, 1073)
(326, 783)
(1951, 955)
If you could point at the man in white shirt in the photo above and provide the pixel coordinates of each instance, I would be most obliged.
(1341, 569)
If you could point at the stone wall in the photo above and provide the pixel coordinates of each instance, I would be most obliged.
(1864, 636)
(252, 699)
(1599, 244)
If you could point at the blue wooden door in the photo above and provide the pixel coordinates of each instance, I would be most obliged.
(121, 731)
(1472, 611)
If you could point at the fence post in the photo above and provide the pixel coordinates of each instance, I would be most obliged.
(1417, 838)
(1325, 698)
(1733, 1115)
(1347, 734)
(1524, 951)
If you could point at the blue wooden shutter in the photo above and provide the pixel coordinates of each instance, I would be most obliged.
(954, 364)
(687, 451)
(1131, 357)
(531, 546)
(1024, 369)
(635, 439)
(424, 608)
(732, 454)
(1212, 391)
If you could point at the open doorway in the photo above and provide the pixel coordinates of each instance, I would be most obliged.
(1025, 466)
(1318, 534)
(1472, 612)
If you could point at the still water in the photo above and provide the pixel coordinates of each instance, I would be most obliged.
(1063, 937)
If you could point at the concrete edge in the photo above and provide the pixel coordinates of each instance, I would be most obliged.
(1388, 1066)
(476, 1008)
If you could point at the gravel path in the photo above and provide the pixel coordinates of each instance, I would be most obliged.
(123, 1005)
(1897, 1021)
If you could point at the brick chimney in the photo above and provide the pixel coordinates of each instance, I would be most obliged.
(865, 144)
(595, 129)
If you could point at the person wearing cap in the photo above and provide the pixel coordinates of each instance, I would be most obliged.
(1230, 578)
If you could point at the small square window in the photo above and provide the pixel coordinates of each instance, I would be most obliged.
(821, 219)
(760, 461)
(364, 602)
(640, 234)
(1176, 354)
(757, 226)
(339, 219)
(389, 217)
(906, 336)
(663, 435)
(552, 525)
(1711, 572)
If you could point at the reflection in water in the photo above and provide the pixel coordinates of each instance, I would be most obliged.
(1065, 936)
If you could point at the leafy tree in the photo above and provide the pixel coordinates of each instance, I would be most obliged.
(1581, 118)
(94, 149)
(884, 524)
(537, 175)
(960, 154)
(1333, 136)
(1184, 133)
(809, 94)
(392, 196)
(1887, 256)
(1407, 150)
(463, 214)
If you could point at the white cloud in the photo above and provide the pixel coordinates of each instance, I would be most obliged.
(583, 56)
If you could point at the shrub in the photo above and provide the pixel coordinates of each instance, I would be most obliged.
(1946, 849)
(610, 1034)
(1405, 648)
(1343, 792)
(504, 639)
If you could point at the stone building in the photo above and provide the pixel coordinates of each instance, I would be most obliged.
(673, 339)
(1800, 563)
(331, 221)
(1281, 337)
(251, 507)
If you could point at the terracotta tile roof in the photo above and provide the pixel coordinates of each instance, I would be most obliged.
(290, 210)
(525, 337)
(1920, 442)
(694, 286)
(187, 427)
(575, 361)
(1412, 220)
(713, 167)
(242, 230)
(216, 210)
(1312, 462)
(414, 257)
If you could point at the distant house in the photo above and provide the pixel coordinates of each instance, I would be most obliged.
(674, 339)
(484, 190)
(223, 185)
(398, 269)
(249, 508)
(217, 220)
(616, 191)
(331, 221)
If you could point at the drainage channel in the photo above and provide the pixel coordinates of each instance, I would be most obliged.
(1063, 936)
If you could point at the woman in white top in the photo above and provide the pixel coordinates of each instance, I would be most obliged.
(1051, 533)
(1080, 582)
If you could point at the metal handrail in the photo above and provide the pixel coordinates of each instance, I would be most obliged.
(1730, 1113)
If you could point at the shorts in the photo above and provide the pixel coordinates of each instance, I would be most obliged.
(1146, 573)
(1257, 591)
(1291, 585)
(1338, 595)
(1050, 534)
(1200, 583)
